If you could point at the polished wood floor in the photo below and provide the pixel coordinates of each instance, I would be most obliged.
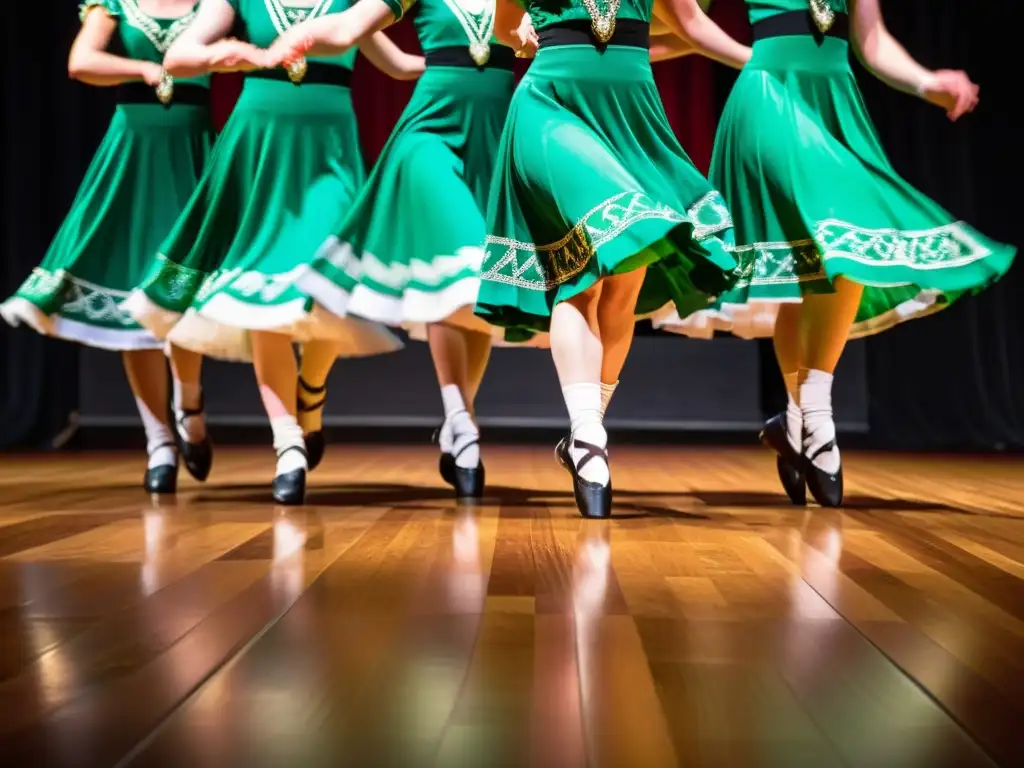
(710, 624)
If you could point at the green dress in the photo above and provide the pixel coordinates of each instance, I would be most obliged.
(591, 182)
(286, 163)
(139, 180)
(815, 198)
(410, 250)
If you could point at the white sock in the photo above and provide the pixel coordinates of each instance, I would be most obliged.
(819, 428)
(607, 390)
(288, 434)
(189, 396)
(583, 402)
(459, 434)
(159, 439)
(465, 440)
(794, 418)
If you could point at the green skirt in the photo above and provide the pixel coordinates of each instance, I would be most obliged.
(815, 198)
(591, 182)
(410, 250)
(283, 173)
(140, 179)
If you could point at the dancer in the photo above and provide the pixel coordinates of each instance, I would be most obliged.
(285, 167)
(596, 214)
(833, 243)
(424, 267)
(138, 182)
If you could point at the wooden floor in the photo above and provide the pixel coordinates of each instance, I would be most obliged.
(710, 624)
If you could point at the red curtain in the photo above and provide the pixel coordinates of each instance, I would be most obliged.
(687, 89)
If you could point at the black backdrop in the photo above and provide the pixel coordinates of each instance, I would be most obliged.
(952, 381)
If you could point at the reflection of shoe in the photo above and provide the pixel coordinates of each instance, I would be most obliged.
(789, 464)
(316, 444)
(592, 499)
(289, 488)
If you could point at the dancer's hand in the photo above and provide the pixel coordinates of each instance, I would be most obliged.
(289, 47)
(953, 91)
(153, 74)
(235, 56)
(527, 37)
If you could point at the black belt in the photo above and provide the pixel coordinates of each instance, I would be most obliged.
(800, 23)
(317, 73)
(501, 57)
(631, 32)
(186, 93)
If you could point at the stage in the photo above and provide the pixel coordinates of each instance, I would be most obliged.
(709, 624)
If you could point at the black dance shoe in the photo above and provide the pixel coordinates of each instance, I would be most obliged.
(290, 488)
(788, 463)
(162, 479)
(445, 464)
(468, 483)
(197, 457)
(562, 454)
(593, 500)
(316, 445)
(825, 487)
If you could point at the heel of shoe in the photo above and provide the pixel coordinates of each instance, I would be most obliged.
(161, 480)
(468, 483)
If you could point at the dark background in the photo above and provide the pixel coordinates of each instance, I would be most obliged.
(953, 381)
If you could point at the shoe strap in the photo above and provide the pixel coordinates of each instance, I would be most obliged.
(591, 451)
(163, 445)
(300, 448)
(197, 411)
(305, 388)
(823, 449)
(466, 447)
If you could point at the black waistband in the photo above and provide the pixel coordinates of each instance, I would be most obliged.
(800, 23)
(501, 57)
(631, 32)
(317, 73)
(186, 93)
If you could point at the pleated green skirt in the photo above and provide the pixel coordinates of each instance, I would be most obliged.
(283, 174)
(815, 198)
(139, 180)
(590, 182)
(410, 250)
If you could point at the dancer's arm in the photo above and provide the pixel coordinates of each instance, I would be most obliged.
(512, 27)
(90, 63)
(201, 48)
(686, 20)
(890, 63)
(390, 59)
(665, 47)
(335, 33)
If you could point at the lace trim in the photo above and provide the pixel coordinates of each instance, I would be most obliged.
(773, 263)
(95, 303)
(84, 8)
(542, 267)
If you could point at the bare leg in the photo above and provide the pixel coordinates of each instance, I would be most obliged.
(318, 358)
(577, 352)
(456, 358)
(186, 369)
(787, 342)
(825, 328)
(617, 324)
(277, 376)
(147, 375)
